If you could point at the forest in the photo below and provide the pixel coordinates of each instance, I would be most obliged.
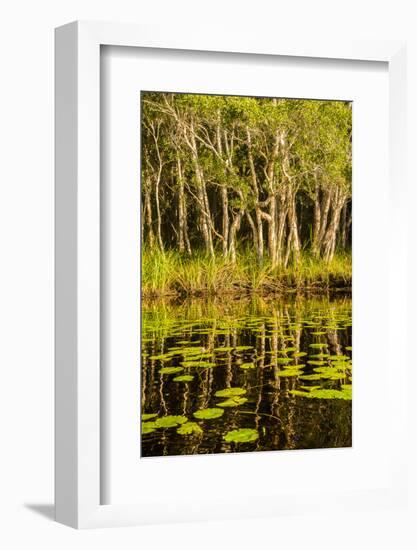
(244, 193)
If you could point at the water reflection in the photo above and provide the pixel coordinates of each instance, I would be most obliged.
(285, 365)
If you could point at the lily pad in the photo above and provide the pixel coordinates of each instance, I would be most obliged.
(310, 377)
(230, 392)
(247, 366)
(324, 394)
(232, 402)
(190, 428)
(184, 378)
(300, 354)
(318, 345)
(162, 357)
(148, 427)
(284, 360)
(200, 364)
(290, 372)
(208, 414)
(170, 421)
(244, 435)
(170, 370)
(148, 416)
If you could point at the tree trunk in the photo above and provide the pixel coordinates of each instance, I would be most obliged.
(329, 240)
(202, 196)
(148, 218)
(183, 240)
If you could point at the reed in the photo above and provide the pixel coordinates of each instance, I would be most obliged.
(172, 273)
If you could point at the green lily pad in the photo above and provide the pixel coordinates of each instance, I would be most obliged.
(310, 377)
(284, 360)
(243, 348)
(148, 416)
(224, 349)
(318, 345)
(247, 366)
(300, 354)
(184, 378)
(148, 427)
(316, 362)
(230, 392)
(244, 435)
(349, 348)
(200, 364)
(170, 421)
(208, 414)
(324, 394)
(232, 402)
(170, 370)
(290, 372)
(190, 428)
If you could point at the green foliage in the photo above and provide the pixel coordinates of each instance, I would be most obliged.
(148, 416)
(230, 392)
(200, 275)
(170, 421)
(325, 394)
(243, 435)
(184, 378)
(148, 427)
(208, 414)
(170, 370)
(232, 402)
(190, 428)
(213, 167)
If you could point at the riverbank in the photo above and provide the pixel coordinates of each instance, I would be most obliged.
(171, 273)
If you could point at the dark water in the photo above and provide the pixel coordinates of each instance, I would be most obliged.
(278, 355)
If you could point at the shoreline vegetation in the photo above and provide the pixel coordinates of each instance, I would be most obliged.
(171, 273)
(244, 195)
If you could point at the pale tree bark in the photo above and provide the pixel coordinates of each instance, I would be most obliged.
(183, 240)
(329, 239)
(148, 216)
(255, 189)
(205, 218)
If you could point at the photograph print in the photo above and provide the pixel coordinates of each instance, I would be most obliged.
(246, 274)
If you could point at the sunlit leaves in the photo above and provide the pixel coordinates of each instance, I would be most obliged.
(243, 435)
(230, 392)
(170, 421)
(208, 414)
(170, 370)
(190, 428)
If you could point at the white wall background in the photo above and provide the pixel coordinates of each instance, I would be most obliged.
(26, 269)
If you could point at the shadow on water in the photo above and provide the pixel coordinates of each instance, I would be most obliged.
(277, 373)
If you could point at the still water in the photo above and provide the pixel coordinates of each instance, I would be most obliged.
(223, 375)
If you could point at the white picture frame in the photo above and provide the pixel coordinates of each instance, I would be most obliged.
(78, 501)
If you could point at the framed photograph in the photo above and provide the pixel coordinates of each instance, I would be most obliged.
(228, 215)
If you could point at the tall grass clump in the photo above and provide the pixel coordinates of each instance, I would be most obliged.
(172, 273)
